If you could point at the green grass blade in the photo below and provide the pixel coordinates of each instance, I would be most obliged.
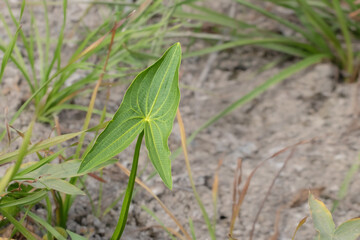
(75, 236)
(5, 158)
(257, 41)
(30, 199)
(21, 154)
(270, 15)
(8, 52)
(57, 53)
(346, 33)
(192, 229)
(39, 163)
(17, 225)
(211, 16)
(322, 27)
(346, 183)
(47, 226)
(76, 107)
(22, 69)
(47, 37)
(153, 215)
(28, 47)
(293, 51)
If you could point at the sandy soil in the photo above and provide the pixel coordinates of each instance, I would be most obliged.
(308, 106)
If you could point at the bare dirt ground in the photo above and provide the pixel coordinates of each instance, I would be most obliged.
(307, 106)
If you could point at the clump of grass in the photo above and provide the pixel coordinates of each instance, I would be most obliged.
(324, 28)
(140, 40)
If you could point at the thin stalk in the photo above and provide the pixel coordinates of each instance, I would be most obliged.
(69, 198)
(129, 190)
(49, 215)
(93, 96)
(168, 212)
(188, 168)
(98, 210)
(17, 225)
(92, 204)
(8, 177)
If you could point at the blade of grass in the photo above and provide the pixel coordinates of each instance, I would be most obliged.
(169, 232)
(8, 52)
(322, 27)
(346, 33)
(188, 168)
(28, 46)
(47, 226)
(22, 69)
(77, 107)
(30, 199)
(346, 183)
(22, 153)
(207, 15)
(40, 163)
(69, 199)
(49, 214)
(5, 158)
(242, 42)
(97, 86)
(47, 37)
(192, 230)
(17, 225)
(270, 15)
(57, 53)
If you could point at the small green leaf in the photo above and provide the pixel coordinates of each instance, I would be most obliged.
(349, 230)
(149, 104)
(322, 218)
(8, 157)
(302, 222)
(47, 226)
(17, 225)
(75, 236)
(8, 52)
(31, 198)
(58, 185)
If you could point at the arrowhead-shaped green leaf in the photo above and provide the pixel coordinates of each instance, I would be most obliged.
(349, 230)
(322, 218)
(149, 104)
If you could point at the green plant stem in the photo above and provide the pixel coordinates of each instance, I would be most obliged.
(17, 225)
(98, 210)
(49, 215)
(129, 190)
(8, 177)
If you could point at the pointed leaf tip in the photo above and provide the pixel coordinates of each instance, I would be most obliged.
(322, 218)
